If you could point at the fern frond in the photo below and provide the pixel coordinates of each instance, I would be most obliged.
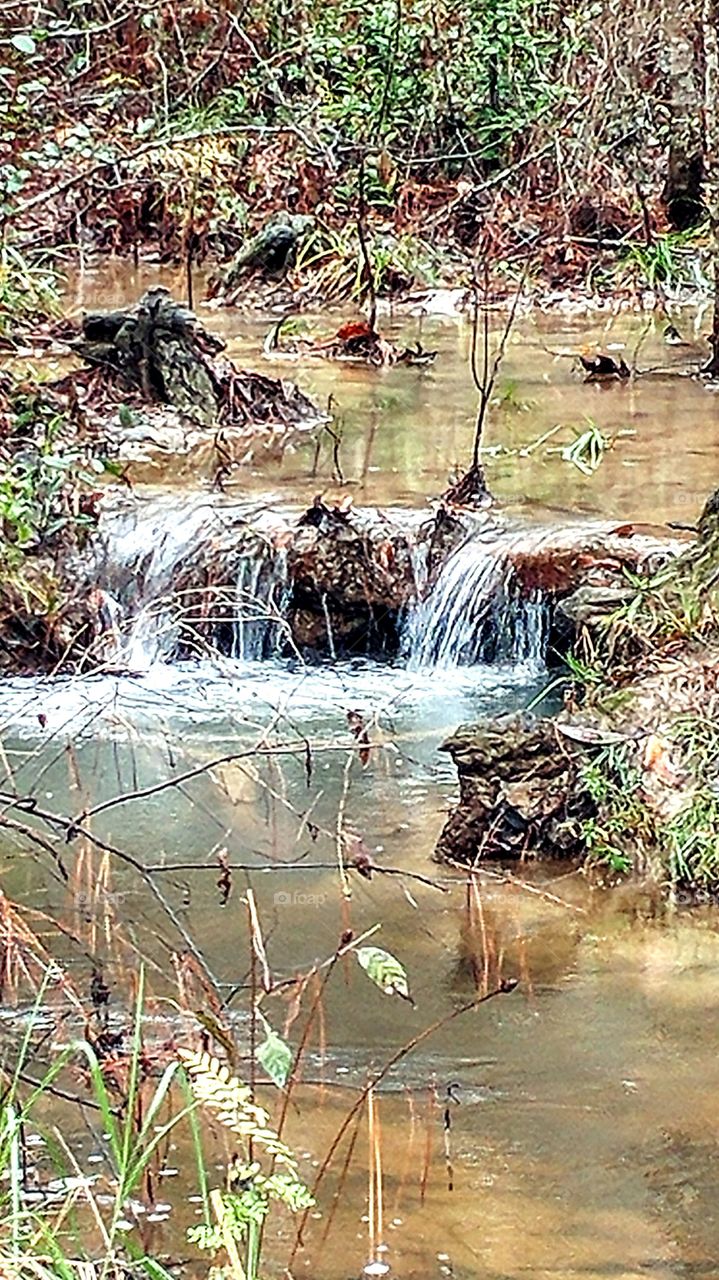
(217, 1089)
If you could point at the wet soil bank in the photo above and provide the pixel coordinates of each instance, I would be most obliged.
(627, 774)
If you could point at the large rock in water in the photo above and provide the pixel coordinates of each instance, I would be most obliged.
(159, 349)
(268, 255)
(517, 792)
(273, 249)
(351, 574)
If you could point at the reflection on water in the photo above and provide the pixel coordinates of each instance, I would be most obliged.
(584, 1106)
(584, 1102)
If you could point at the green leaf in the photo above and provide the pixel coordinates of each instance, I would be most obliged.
(385, 971)
(275, 1057)
(24, 44)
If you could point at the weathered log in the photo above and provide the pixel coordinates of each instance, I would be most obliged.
(268, 255)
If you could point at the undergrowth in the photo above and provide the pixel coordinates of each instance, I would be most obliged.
(49, 504)
(28, 290)
(670, 262)
(332, 263)
(629, 832)
(613, 781)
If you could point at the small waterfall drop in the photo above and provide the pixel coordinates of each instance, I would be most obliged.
(475, 612)
(148, 551)
(262, 596)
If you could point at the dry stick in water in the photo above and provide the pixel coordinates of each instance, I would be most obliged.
(258, 946)
(330, 1216)
(371, 1219)
(378, 1176)
(503, 989)
(408, 1153)
(485, 384)
(429, 1133)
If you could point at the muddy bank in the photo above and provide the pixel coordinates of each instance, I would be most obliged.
(627, 775)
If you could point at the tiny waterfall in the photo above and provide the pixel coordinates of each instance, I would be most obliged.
(475, 612)
(143, 547)
(155, 559)
(262, 596)
(207, 577)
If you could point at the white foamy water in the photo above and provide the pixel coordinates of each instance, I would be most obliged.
(475, 612)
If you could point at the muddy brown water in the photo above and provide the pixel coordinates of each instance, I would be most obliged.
(405, 430)
(584, 1106)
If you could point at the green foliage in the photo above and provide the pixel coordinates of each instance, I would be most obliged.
(385, 971)
(671, 261)
(29, 1242)
(587, 450)
(678, 601)
(585, 673)
(686, 843)
(691, 841)
(275, 1057)
(41, 478)
(454, 78)
(613, 780)
(241, 1211)
(332, 262)
(28, 287)
(691, 836)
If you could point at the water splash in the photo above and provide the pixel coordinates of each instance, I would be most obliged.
(475, 612)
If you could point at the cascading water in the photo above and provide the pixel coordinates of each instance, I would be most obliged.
(262, 596)
(475, 612)
(147, 549)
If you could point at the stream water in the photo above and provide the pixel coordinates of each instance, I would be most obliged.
(584, 1106)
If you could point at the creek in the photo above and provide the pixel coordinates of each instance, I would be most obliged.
(584, 1105)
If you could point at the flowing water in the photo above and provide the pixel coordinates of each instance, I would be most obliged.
(575, 1118)
(474, 614)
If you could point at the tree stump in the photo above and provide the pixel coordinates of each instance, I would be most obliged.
(159, 349)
